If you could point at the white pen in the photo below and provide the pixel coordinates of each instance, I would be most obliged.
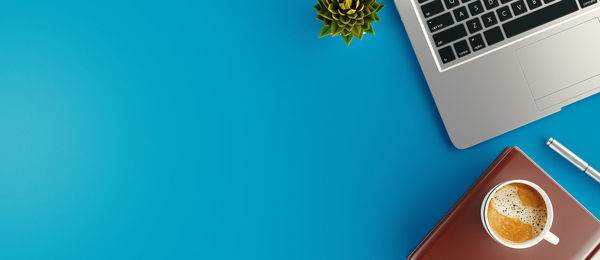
(574, 159)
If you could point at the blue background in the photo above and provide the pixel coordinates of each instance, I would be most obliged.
(227, 130)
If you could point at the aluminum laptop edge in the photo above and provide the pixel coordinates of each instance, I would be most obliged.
(489, 80)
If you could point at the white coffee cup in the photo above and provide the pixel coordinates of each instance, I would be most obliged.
(544, 235)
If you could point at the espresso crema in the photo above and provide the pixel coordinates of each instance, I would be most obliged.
(517, 213)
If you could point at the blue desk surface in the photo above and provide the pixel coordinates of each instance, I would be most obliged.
(227, 130)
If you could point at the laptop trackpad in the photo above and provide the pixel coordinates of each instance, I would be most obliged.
(557, 68)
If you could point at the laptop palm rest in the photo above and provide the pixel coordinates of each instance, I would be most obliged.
(564, 67)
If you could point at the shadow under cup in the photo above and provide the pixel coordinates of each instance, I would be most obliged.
(544, 234)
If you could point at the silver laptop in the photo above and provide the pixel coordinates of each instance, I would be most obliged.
(495, 65)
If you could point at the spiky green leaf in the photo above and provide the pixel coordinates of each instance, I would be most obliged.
(326, 14)
(356, 31)
(347, 39)
(325, 30)
(369, 29)
(345, 19)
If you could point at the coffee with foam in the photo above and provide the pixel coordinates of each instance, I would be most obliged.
(517, 213)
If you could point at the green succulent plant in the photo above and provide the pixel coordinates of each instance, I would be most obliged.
(348, 18)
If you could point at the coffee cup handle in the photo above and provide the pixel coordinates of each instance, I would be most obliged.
(551, 238)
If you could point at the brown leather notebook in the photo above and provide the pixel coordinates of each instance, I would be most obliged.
(460, 234)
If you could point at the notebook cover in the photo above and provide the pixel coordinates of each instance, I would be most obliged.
(460, 234)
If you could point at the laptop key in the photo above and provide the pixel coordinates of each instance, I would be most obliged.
(440, 22)
(504, 13)
(539, 17)
(489, 19)
(451, 4)
(474, 25)
(533, 4)
(476, 8)
(460, 14)
(491, 4)
(450, 35)
(447, 54)
(493, 36)
(422, 1)
(462, 48)
(476, 42)
(505, 1)
(548, 1)
(432, 8)
(586, 3)
(518, 7)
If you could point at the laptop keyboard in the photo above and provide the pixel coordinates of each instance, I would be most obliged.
(460, 28)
